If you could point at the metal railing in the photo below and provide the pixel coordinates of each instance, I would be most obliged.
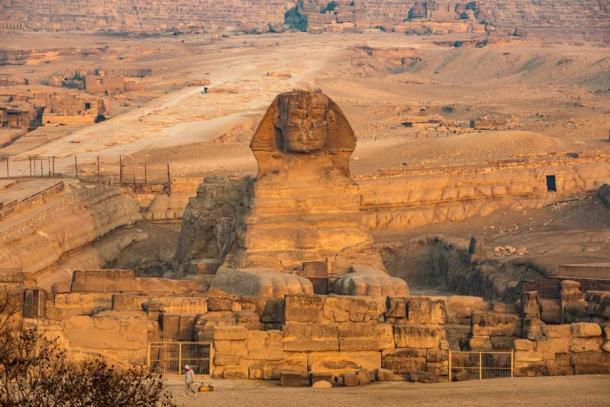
(479, 365)
(169, 358)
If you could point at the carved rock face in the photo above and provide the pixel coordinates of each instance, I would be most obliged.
(302, 122)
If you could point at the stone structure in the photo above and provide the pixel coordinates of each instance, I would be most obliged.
(320, 337)
(302, 211)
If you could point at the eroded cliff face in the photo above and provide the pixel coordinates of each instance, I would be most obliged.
(559, 18)
(78, 221)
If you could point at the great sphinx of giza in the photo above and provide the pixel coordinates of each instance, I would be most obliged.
(303, 209)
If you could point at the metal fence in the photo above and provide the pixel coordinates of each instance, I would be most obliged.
(480, 365)
(169, 358)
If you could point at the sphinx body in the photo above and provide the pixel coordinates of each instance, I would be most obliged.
(304, 208)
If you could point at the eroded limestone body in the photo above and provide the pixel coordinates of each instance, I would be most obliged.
(304, 207)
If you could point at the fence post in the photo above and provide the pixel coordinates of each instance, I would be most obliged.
(75, 168)
(53, 161)
(120, 169)
(449, 375)
(148, 357)
(512, 362)
(49, 165)
(30, 158)
(41, 171)
(169, 181)
(480, 365)
(179, 357)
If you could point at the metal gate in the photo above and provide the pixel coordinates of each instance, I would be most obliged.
(479, 365)
(169, 358)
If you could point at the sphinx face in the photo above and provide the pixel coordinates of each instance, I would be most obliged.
(302, 122)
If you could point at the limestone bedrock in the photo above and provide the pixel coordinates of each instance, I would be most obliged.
(304, 207)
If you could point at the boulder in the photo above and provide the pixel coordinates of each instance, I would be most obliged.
(343, 362)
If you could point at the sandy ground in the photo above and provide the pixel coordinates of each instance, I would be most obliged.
(590, 391)
(556, 93)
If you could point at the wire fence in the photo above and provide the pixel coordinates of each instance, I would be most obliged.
(112, 171)
(479, 365)
(169, 358)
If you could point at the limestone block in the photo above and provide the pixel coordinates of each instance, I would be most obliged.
(302, 337)
(230, 333)
(480, 344)
(426, 311)
(292, 379)
(340, 309)
(586, 344)
(575, 313)
(528, 356)
(402, 361)
(304, 308)
(220, 301)
(532, 329)
(273, 311)
(235, 348)
(371, 281)
(530, 307)
(396, 307)
(350, 380)
(128, 301)
(365, 336)
(524, 345)
(177, 327)
(222, 359)
(110, 333)
(262, 283)
(364, 377)
(494, 324)
(315, 377)
(460, 308)
(436, 356)
(556, 331)
(235, 372)
(265, 345)
(178, 305)
(417, 336)
(561, 365)
(69, 304)
(270, 369)
(502, 343)
(457, 335)
(585, 329)
(248, 319)
(530, 369)
(591, 362)
(343, 362)
(205, 323)
(553, 345)
(550, 311)
(387, 375)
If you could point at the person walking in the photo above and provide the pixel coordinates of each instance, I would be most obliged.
(189, 380)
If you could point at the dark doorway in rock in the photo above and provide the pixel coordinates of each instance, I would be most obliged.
(551, 183)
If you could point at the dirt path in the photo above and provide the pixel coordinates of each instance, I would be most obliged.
(590, 391)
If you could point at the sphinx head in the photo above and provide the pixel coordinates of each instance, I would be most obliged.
(302, 122)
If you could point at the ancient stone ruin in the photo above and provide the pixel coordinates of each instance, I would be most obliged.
(302, 213)
(279, 276)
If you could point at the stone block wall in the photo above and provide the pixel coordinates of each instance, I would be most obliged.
(399, 338)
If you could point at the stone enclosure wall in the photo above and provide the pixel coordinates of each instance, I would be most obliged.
(110, 312)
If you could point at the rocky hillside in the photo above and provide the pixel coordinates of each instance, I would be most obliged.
(583, 19)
